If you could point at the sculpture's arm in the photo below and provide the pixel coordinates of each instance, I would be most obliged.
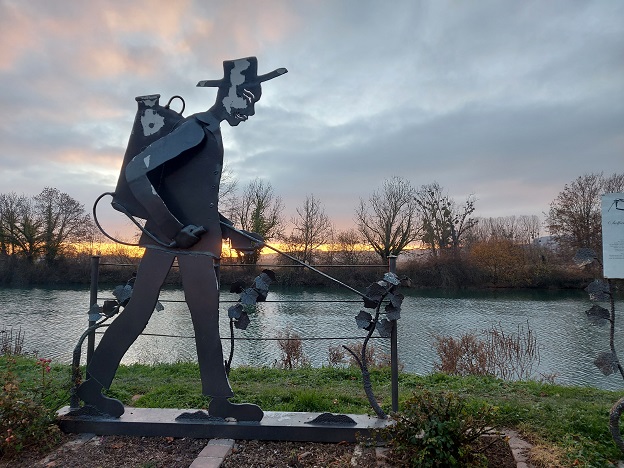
(189, 135)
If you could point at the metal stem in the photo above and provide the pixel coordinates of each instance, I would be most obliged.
(394, 353)
(95, 269)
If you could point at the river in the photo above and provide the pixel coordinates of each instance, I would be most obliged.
(53, 319)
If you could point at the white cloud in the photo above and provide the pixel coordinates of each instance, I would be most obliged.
(506, 100)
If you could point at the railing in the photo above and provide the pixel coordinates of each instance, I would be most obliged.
(394, 361)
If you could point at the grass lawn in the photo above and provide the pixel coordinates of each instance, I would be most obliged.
(568, 425)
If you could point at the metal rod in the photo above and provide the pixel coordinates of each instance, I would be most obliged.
(311, 338)
(296, 260)
(95, 269)
(394, 354)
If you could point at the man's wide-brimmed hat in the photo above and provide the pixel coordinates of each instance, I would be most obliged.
(241, 72)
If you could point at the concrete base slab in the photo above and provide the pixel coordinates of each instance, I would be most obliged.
(276, 425)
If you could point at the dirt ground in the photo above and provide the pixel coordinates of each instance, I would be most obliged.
(152, 452)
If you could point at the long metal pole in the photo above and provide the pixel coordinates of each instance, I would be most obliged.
(95, 270)
(296, 260)
(394, 354)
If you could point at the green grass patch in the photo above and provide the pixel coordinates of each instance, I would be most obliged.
(572, 421)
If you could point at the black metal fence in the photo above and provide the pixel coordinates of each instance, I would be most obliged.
(394, 362)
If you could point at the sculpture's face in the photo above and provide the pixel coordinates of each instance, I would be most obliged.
(240, 104)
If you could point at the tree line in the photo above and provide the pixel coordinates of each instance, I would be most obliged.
(44, 227)
(48, 227)
(398, 215)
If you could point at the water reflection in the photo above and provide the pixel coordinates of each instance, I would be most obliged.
(53, 320)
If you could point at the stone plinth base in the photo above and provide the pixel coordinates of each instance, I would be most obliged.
(161, 422)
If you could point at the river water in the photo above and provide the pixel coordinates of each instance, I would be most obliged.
(53, 320)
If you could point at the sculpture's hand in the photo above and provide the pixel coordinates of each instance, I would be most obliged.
(189, 236)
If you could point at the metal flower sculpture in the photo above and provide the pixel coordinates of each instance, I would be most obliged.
(601, 290)
(377, 294)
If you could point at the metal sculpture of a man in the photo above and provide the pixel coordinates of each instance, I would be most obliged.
(182, 220)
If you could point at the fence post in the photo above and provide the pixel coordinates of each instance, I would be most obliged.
(95, 270)
(394, 355)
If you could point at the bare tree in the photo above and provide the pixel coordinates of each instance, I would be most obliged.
(259, 211)
(45, 225)
(574, 218)
(388, 221)
(444, 223)
(227, 192)
(613, 184)
(9, 217)
(348, 245)
(63, 221)
(20, 230)
(312, 228)
(516, 229)
(528, 229)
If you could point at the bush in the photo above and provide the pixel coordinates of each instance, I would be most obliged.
(291, 350)
(508, 356)
(24, 421)
(438, 430)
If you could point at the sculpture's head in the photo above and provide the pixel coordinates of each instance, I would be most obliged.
(240, 88)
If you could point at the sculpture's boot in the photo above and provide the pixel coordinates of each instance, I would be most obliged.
(90, 391)
(222, 408)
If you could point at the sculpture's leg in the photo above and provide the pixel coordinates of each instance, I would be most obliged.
(124, 330)
(202, 296)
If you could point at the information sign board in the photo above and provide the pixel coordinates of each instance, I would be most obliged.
(613, 235)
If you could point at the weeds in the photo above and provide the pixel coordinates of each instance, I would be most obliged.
(438, 430)
(291, 350)
(10, 343)
(337, 356)
(512, 356)
(509, 356)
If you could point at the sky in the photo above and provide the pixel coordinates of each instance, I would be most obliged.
(504, 100)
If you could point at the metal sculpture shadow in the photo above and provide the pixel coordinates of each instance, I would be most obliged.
(170, 177)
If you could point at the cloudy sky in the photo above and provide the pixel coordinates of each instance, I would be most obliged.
(506, 100)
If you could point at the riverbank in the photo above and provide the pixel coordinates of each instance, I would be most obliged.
(440, 272)
(567, 425)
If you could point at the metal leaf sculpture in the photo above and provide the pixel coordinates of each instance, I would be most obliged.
(599, 291)
(238, 316)
(249, 297)
(235, 311)
(585, 256)
(262, 283)
(122, 293)
(597, 314)
(243, 321)
(95, 313)
(392, 312)
(396, 299)
(383, 291)
(392, 279)
(375, 293)
(364, 320)
(384, 328)
(607, 363)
